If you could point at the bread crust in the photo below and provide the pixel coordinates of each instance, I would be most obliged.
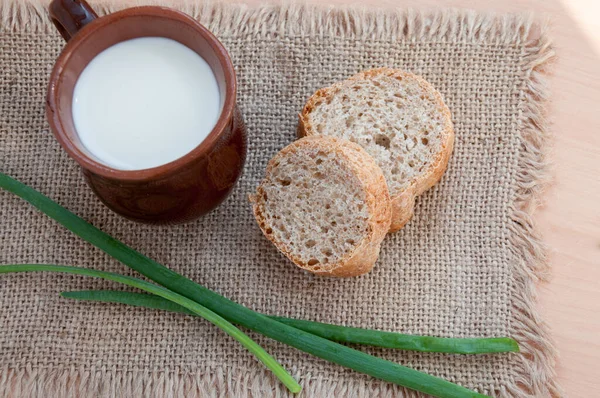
(362, 258)
(402, 202)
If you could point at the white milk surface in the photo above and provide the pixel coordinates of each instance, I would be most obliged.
(145, 102)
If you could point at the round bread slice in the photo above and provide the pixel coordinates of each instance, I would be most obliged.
(325, 204)
(399, 119)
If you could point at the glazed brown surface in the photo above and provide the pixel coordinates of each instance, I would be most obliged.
(178, 191)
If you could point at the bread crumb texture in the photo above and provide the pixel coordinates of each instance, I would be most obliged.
(394, 115)
(314, 205)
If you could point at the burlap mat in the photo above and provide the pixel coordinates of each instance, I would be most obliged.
(464, 266)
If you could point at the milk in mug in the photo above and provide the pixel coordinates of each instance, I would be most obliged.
(145, 102)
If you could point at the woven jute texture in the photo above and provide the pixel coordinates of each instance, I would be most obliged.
(465, 266)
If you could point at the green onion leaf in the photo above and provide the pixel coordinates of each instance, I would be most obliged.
(176, 299)
(337, 333)
(400, 341)
(234, 312)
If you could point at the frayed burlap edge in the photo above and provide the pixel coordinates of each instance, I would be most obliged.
(536, 375)
(306, 20)
(535, 372)
(170, 383)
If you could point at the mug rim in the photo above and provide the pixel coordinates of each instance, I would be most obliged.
(96, 167)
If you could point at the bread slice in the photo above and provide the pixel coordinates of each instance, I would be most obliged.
(399, 119)
(325, 204)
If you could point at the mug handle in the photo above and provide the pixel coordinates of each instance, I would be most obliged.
(69, 16)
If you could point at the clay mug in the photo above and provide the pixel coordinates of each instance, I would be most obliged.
(181, 190)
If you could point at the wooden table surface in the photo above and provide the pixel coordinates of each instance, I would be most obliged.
(570, 219)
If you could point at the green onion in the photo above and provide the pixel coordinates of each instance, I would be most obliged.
(400, 341)
(174, 298)
(236, 313)
(331, 332)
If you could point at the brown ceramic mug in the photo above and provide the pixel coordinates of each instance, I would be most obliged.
(178, 191)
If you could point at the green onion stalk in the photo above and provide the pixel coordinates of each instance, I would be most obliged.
(234, 312)
(173, 298)
(342, 334)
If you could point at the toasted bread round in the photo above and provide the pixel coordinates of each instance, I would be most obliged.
(399, 119)
(325, 204)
